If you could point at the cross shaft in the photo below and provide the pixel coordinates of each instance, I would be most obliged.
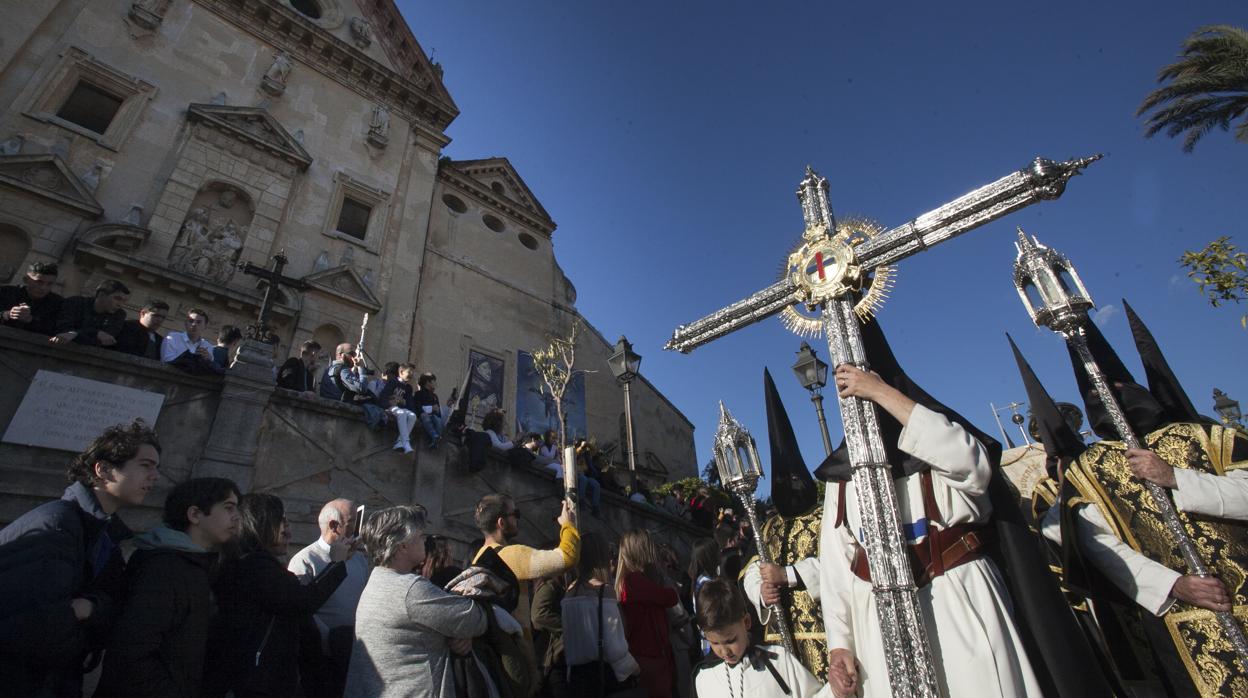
(260, 330)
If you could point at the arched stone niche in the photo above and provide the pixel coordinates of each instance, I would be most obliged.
(14, 246)
(212, 234)
(328, 336)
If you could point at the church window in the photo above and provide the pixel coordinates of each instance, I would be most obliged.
(498, 188)
(353, 218)
(454, 203)
(493, 223)
(309, 8)
(14, 244)
(90, 98)
(90, 107)
(528, 241)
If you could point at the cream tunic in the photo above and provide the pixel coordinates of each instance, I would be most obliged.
(967, 611)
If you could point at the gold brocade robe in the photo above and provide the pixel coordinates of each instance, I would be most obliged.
(790, 540)
(1102, 478)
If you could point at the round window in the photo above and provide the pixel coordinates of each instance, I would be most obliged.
(454, 203)
(493, 223)
(309, 8)
(528, 241)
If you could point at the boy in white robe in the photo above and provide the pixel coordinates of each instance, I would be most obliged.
(967, 610)
(739, 669)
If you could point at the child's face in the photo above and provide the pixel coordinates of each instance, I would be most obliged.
(730, 642)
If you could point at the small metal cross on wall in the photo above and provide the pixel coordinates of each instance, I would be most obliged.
(260, 330)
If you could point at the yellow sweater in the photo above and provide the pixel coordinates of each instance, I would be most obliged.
(530, 563)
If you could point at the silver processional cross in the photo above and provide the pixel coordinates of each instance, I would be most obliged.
(824, 274)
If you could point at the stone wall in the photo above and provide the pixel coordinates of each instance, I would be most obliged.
(307, 452)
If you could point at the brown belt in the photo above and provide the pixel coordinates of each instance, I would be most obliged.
(957, 545)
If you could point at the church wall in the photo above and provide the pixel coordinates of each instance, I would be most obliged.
(309, 451)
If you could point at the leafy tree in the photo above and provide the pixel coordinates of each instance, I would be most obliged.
(1206, 87)
(1221, 271)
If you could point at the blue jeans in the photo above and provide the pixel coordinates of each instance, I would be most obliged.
(431, 422)
(583, 483)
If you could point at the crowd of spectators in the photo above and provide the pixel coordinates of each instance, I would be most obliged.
(208, 605)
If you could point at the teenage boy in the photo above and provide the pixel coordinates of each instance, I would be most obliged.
(739, 668)
(300, 373)
(428, 408)
(189, 350)
(32, 305)
(157, 645)
(61, 570)
(95, 321)
(142, 337)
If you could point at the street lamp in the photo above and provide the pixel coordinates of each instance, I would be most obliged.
(1226, 408)
(813, 375)
(625, 363)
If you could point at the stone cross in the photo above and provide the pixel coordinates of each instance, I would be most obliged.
(260, 330)
(825, 274)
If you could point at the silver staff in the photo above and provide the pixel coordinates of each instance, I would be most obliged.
(1044, 277)
(736, 458)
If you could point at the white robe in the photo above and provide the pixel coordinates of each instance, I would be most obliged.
(967, 610)
(1146, 581)
(713, 682)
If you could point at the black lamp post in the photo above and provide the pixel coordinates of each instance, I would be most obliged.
(625, 364)
(813, 375)
(1226, 408)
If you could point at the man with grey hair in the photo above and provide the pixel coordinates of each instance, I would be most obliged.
(336, 618)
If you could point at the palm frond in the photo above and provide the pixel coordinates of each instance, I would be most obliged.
(1206, 88)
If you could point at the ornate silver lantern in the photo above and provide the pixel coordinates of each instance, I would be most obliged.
(1049, 286)
(736, 459)
(1062, 306)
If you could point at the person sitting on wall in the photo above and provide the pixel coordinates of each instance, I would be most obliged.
(428, 408)
(344, 379)
(141, 337)
(228, 339)
(32, 305)
(396, 395)
(299, 372)
(94, 321)
(188, 350)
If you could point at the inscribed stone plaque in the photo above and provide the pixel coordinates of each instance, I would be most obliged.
(66, 412)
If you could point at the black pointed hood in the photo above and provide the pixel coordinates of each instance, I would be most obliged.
(1162, 382)
(880, 359)
(1061, 443)
(792, 486)
(1144, 413)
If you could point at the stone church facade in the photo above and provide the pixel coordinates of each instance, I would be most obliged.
(164, 142)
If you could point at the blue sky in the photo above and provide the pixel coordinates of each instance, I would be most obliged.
(667, 139)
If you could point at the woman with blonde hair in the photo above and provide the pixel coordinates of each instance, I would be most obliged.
(644, 599)
(595, 646)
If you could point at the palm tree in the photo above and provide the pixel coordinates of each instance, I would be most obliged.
(1208, 87)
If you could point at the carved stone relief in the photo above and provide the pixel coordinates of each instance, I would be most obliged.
(361, 33)
(379, 127)
(148, 14)
(211, 237)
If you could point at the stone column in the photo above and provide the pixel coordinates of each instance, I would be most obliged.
(235, 434)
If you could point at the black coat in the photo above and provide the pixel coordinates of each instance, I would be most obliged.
(58, 551)
(262, 609)
(157, 645)
(43, 312)
(137, 341)
(78, 315)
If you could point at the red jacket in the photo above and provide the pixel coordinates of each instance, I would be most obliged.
(644, 604)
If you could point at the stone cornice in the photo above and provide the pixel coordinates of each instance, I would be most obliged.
(469, 185)
(421, 103)
(400, 44)
(223, 119)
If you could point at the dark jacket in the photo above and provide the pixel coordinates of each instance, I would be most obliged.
(43, 312)
(157, 645)
(137, 341)
(78, 315)
(294, 375)
(58, 551)
(262, 610)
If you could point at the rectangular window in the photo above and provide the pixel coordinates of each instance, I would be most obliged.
(90, 107)
(353, 218)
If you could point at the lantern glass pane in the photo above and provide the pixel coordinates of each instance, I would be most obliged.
(1050, 288)
(1033, 295)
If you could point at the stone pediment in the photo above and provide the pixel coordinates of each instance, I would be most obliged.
(497, 181)
(47, 176)
(255, 127)
(343, 282)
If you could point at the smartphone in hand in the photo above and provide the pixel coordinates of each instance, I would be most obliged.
(359, 521)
